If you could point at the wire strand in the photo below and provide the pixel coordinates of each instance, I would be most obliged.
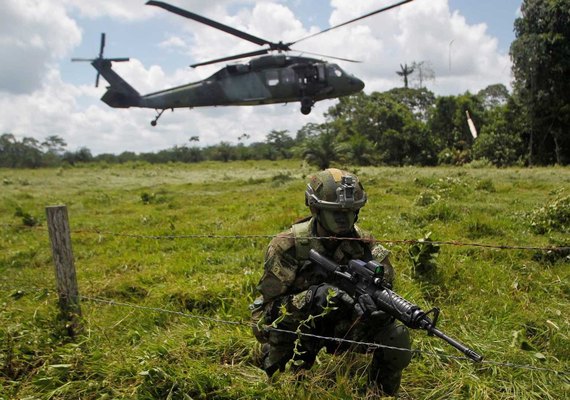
(370, 345)
(269, 237)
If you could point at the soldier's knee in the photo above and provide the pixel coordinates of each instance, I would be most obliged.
(274, 358)
(396, 337)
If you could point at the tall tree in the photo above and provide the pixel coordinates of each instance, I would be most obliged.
(494, 96)
(541, 66)
(404, 72)
(425, 72)
(419, 101)
(398, 137)
(54, 144)
(498, 141)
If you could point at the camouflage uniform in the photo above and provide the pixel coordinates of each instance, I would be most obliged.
(288, 280)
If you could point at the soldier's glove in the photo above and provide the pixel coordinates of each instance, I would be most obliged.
(365, 307)
(325, 295)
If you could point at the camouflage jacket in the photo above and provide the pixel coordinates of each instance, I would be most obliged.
(288, 273)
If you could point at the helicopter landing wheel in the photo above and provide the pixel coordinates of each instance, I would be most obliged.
(306, 105)
(158, 114)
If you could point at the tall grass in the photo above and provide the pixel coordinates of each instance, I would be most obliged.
(133, 232)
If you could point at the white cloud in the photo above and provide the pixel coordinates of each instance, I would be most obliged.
(33, 35)
(174, 43)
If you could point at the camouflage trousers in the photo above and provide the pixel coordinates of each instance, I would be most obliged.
(388, 360)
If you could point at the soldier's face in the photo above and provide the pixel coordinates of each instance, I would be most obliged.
(337, 221)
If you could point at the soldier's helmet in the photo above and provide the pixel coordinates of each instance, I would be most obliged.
(334, 189)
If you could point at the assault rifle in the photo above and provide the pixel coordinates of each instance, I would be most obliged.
(359, 277)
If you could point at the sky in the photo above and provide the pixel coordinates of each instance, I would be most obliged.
(42, 93)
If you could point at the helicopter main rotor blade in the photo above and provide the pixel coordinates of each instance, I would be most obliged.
(214, 24)
(325, 56)
(237, 56)
(354, 20)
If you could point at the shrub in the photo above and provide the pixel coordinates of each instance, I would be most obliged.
(554, 216)
(426, 198)
(27, 218)
(424, 254)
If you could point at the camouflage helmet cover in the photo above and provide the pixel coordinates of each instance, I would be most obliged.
(335, 189)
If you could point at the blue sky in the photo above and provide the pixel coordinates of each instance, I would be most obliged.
(498, 15)
(42, 93)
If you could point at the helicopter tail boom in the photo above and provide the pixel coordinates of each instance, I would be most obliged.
(119, 93)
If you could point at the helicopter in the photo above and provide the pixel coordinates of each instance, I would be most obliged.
(265, 79)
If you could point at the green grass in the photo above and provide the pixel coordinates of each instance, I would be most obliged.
(511, 305)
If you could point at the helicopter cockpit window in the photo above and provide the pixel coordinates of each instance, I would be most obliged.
(272, 78)
(334, 69)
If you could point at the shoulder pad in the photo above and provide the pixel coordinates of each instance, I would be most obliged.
(302, 231)
(283, 241)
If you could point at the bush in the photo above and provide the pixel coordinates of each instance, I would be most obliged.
(27, 218)
(554, 216)
(426, 198)
(423, 255)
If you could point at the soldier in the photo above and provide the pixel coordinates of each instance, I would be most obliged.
(291, 281)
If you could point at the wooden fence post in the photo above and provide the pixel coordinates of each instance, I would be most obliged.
(59, 233)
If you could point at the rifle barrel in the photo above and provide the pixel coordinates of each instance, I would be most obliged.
(459, 346)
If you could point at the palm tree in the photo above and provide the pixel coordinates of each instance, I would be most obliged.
(320, 148)
(405, 72)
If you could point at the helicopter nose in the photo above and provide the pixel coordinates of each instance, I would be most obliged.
(356, 83)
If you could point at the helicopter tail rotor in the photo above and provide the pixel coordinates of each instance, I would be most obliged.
(101, 59)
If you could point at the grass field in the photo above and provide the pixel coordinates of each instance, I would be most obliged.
(138, 239)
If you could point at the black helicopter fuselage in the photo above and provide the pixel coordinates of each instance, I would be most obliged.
(264, 80)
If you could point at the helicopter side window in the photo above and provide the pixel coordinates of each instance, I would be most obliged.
(272, 77)
(312, 74)
(287, 76)
(321, 72)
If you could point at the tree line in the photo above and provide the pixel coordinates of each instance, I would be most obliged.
(402, 126)
(398, 127)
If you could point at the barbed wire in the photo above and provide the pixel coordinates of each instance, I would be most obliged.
(251, 325)
(96, 231)
(387, 241)
(369, 345)
(305, 334)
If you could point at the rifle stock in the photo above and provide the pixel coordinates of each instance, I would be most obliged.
(359, 277)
